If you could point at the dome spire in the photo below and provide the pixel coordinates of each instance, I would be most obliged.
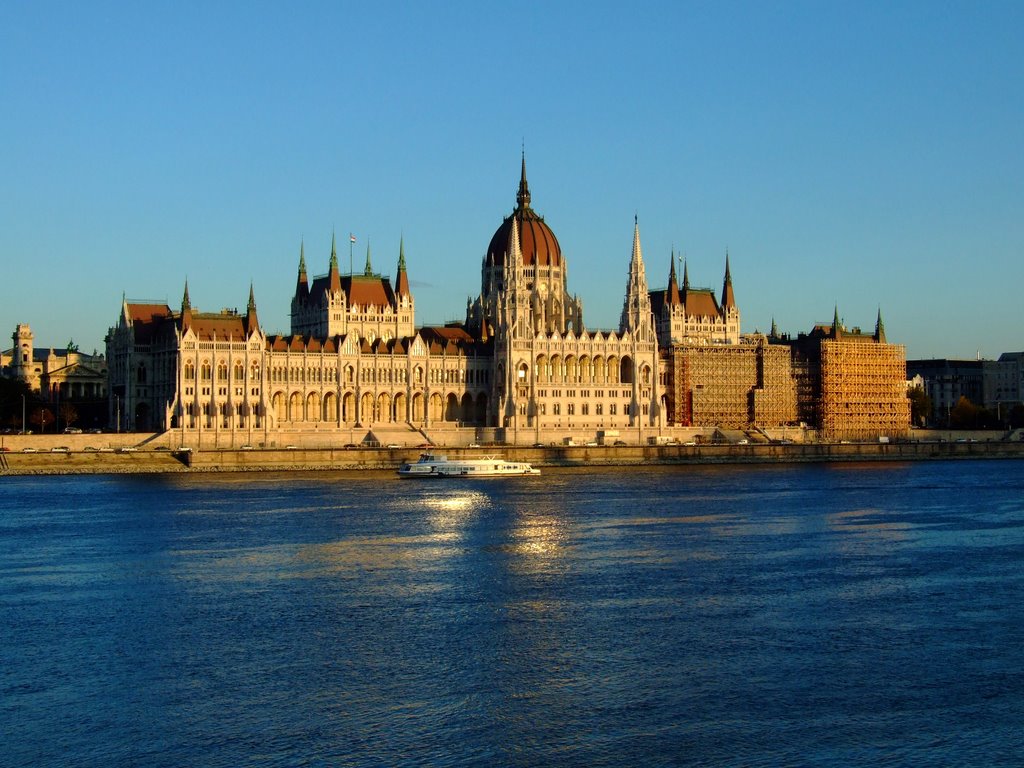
(523, 196)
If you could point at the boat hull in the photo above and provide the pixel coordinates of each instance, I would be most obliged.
(439, 466)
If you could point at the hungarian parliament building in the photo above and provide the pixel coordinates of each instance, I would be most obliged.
(522, 369)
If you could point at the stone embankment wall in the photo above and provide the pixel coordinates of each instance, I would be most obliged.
(144, 459)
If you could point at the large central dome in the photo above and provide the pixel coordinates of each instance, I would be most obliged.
(536, 240)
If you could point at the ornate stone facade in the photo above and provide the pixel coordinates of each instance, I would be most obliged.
(523, 368)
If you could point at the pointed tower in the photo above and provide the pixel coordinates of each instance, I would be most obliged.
(728, 299)
(636, 309)
(880, 328)
(302, 283)
(517, 298)
(523, 195)
(333, 274)
(837, 328)
(730, 312)
(186, 309)
(672, 296)
(402, 281)
(368, 269)
(252, 323)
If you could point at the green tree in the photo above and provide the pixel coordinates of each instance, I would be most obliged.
(920, 406)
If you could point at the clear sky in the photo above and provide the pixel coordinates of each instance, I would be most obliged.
(858, 154)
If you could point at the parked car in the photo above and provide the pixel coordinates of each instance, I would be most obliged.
(72, 430)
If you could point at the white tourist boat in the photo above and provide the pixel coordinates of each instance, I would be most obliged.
(437, 465)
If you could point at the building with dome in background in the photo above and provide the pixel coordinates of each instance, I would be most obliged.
(523, 368)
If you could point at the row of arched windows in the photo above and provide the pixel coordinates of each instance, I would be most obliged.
(206, 371)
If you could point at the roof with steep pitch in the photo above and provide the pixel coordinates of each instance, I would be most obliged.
(701, 302)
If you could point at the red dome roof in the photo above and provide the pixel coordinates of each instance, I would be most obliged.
(536, 240)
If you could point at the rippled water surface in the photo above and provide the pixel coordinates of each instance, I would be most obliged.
(785, 615)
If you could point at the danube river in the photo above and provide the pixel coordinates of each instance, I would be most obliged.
(758, 616)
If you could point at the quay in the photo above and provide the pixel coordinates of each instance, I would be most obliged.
(127, 453)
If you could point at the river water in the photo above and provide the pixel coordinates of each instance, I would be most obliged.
(774, 615)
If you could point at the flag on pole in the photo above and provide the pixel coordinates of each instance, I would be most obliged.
(351, 237)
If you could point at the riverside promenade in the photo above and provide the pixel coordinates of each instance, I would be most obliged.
(129, 454)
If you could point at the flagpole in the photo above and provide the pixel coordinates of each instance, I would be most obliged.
(351, 269)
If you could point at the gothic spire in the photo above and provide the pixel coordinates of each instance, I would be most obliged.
(636, 310)
(251, 323)
(672, 297)
(523, 196)
(879, 327)
(835, 322)
(333, 274)
(402, 282)
(368, 270)
(728, 299)
(186, 309)
(302, 283)
(686, 277)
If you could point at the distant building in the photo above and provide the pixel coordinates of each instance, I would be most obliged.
(1003, 382)
(59, 375)
(946, 381)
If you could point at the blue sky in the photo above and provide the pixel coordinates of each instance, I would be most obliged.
(863, 155)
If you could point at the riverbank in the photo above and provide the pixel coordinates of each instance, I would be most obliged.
(119, 460)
